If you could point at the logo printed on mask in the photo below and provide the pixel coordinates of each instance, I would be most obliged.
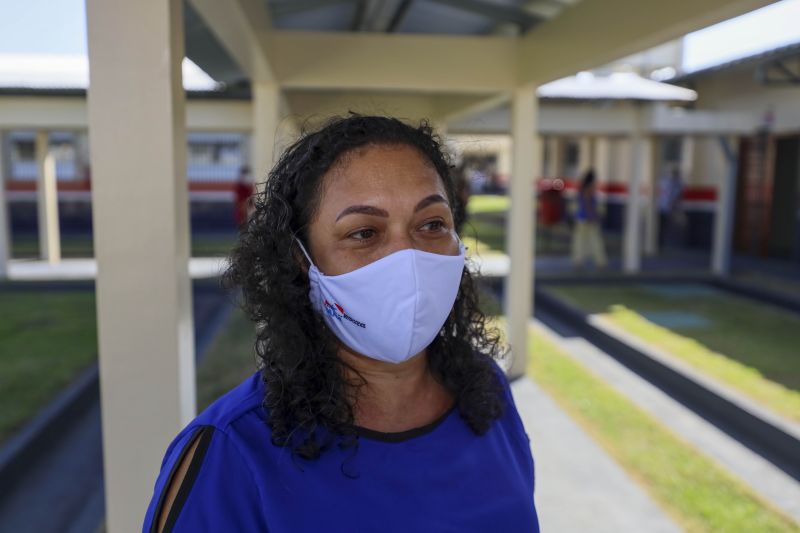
(336, 311)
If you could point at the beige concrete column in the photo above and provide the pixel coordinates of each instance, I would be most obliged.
(503, 147)
(601, 160)
(687, 158)
(584, 155)
(81, 153)
(145, 331)
(555, 156)
(5, 220)
(651, 201)
(521, 223)
(47, 200)
(641, 165)
(286, 134)
(266, 117)
(725, 210)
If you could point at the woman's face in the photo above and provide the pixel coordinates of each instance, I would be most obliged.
(375, 201)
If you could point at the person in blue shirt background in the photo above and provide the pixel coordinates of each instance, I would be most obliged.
(378, 404)
(587, 233)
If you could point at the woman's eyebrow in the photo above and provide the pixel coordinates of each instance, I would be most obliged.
(378, 212)
(362, 209)
(428, 200)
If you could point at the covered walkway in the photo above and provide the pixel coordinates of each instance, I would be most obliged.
(393, 56)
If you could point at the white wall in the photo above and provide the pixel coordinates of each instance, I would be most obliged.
(737, 90)
(709, 164)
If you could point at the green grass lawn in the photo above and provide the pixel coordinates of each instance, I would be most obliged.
(46, 340)
(747, 345)
(208, 245)
(488, 203)
(697, 493)
(484, 238)
(72, 246)
(81, 246)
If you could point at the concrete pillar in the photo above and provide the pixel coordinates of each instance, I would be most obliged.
(641, 168)
(246, 150)
(651, 201)
(266, 117)
(521, 223)
(81, 154)
(687, 158)
(137, 133)
(555, 157)
(504, 158)
(584, 155)
(5, 220)
(725, 210)
(601, 159)
(47, 200)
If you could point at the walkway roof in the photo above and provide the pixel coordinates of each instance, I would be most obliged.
(437, 17)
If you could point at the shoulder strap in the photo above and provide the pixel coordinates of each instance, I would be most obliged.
(200, 440)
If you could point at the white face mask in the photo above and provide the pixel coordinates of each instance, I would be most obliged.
(390, 309)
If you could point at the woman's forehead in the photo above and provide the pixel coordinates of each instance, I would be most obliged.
(381, 171)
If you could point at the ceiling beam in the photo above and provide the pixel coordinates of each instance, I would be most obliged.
(288, 7)
(367, 61)
(240, 26)
(452, 107)
(596, 32)
(359, 15)
(398, 15)
(496, 12)
(317, 106)
(379, 15)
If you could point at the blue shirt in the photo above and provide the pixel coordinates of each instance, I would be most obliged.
(587, 208)
(442, 477)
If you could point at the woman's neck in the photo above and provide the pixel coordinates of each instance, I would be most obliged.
(395, 397)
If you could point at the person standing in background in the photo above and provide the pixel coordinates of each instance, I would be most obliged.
(243, 192)
(587, 238)
(670, 190)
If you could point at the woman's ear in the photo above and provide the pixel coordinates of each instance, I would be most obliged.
(299, 257)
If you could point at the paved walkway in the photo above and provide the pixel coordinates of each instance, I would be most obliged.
(578, 486)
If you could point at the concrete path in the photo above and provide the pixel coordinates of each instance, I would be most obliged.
(765, 479)
(579, 488)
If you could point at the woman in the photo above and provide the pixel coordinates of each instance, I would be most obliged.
(378, 405)
(587, 237)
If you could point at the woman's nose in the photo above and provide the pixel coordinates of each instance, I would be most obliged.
(399, 241)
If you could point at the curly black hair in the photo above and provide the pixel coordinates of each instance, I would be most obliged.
(309, 400)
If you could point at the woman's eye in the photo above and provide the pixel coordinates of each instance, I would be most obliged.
(433, 225)
(363, 234)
